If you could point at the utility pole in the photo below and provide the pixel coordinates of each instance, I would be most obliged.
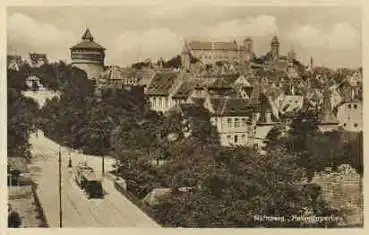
(103, 163)
(60, 192)
(103, 156)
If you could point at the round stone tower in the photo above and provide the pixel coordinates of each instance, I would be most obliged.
(88, 56)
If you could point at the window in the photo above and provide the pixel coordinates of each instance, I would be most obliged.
(157, 102)
(244, 122)
(236, 123)
(229, 122)
(229, 139)
(163, 102)
(236, 139)
(243, 139)
(344, 124)
(355, 125)
(355, 106)
(349, 106)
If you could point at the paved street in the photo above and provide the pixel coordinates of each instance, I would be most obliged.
(113, 211)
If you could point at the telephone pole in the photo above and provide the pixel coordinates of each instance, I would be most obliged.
(60, 192)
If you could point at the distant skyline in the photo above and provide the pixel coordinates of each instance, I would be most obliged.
(331, 35)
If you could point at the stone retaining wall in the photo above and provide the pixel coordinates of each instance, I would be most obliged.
(343, 191)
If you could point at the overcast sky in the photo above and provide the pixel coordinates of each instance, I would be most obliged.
(332, 35)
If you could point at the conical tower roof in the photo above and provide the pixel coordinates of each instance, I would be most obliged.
(87, 42)
(87, 36)
(275, 40)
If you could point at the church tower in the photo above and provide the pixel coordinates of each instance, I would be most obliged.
(291, 56)
(274, 48)
(185, 57)
(248, 49)
(88, 56)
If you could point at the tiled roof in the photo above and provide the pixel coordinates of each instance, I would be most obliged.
(185, 89)
(87, 42)
(292, 103)
(117, 73)
(146, 76)
(87, 45)
(263, 118)
(205, 45)
(230, 46)
(224, 82)
(280, 65)
(273, 92)
(254, 97)
(231, 106)
(198, 45)
(162, 83)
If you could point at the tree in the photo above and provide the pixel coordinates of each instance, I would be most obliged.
(244, 185)
(174, 62)
(22, 114)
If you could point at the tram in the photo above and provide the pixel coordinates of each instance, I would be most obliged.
(86, 179)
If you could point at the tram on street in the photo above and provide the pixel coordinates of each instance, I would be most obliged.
(86, 179)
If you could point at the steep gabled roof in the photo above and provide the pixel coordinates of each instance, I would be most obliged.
(292, 103)
(161, 83)
(185, 89)
(231, 107)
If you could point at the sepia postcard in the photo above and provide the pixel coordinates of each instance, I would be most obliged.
(203, 114)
